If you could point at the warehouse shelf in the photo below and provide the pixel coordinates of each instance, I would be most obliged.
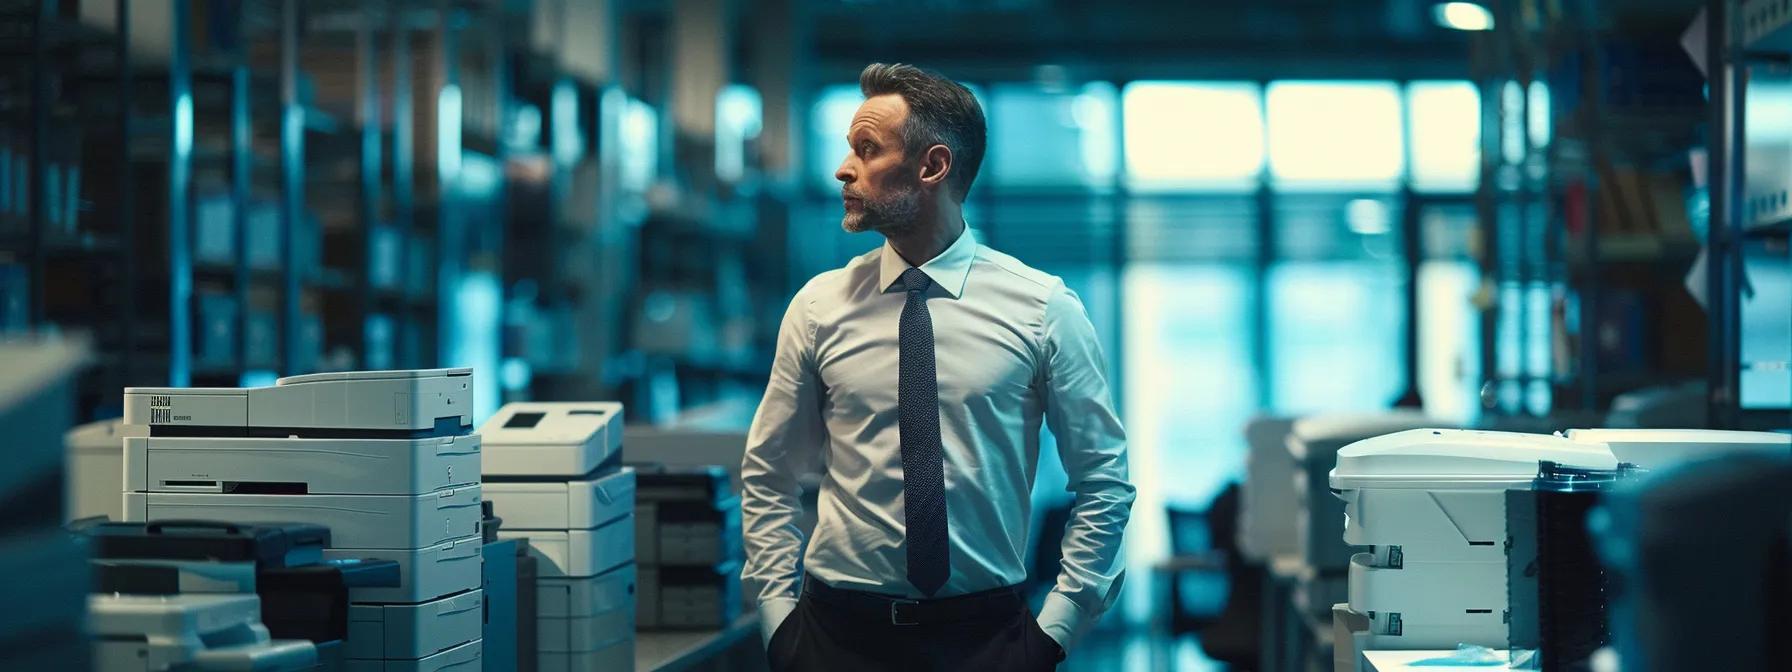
(1740, 36)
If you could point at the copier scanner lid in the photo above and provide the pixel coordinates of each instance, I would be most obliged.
(1310, 437)
(553, 424)
(1658, 448)
(335, 376)
(1460, 458)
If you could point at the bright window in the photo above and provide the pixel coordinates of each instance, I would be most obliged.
(1449, 340)
(1331, 135)
(1193, 135)
(1446, 135)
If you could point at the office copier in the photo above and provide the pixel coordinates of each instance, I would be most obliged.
(1313, 444)
(553, 473)
(1431, 506)
(199, 631)
(96, 467)
(386, 460)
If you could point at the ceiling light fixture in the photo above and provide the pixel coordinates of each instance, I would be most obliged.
(1462, 16)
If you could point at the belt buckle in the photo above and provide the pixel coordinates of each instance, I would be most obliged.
(895, 614)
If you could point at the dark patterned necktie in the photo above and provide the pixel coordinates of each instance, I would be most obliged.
(923, 470)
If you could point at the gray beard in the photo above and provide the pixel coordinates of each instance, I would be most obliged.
(893, 215)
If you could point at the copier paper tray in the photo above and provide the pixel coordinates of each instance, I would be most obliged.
(355, 521)
(353, 466)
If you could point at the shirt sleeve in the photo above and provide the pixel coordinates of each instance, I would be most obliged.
(784, 442)
(1092, 444)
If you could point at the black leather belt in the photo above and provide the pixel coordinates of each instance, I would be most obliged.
(998, 603)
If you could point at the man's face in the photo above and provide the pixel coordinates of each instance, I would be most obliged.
(880, 185)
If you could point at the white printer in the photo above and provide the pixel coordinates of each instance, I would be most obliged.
(1431, 504)
(355, 521)
(216, 632)
(387, 460)
(552, 472)
(1313, 444)
(332, 466)
(96, 467)
(1266, 515)
(552, 439)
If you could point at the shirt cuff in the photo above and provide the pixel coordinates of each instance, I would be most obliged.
(772, 613)
(1062, 619)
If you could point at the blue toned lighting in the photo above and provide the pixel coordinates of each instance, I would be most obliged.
(1367, 216)
(477, 315)
(640, 146)
(569, 141)
(515, 374)
(1462, 16)
(1512, 126)
(1540, 119)
(183, 120)
(448, 130)
(739, 117)
(1053, 138)
(257, 378)
(828, 120)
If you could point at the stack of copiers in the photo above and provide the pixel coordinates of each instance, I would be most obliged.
(553, 473)
(44, 570)
(219, 596)
(690, 548)
(1449, 524)
(385, 460)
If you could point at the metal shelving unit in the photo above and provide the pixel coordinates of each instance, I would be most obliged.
(1748, 46)
(1590, 113)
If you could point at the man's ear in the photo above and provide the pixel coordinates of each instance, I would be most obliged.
(936, 164)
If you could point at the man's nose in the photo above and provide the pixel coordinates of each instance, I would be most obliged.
(845, 173)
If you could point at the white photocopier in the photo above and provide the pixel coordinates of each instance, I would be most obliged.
(1431, 504)
(552, 472)
(96, 467)
(387, 460)
(201, 632)
(1313, 444)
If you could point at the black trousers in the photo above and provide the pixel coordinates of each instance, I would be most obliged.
(833, 629)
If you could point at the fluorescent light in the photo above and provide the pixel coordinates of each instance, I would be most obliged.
(1462, 16)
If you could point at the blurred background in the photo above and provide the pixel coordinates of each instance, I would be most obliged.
(1500, 213)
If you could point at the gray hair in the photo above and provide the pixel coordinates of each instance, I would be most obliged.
(940, 112)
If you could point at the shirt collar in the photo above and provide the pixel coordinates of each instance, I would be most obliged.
(948, 270)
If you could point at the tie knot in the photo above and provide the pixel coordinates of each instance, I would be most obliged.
(916, 281)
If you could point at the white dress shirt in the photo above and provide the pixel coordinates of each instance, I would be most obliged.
(1013, 346)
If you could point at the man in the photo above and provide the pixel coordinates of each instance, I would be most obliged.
(918, 376)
